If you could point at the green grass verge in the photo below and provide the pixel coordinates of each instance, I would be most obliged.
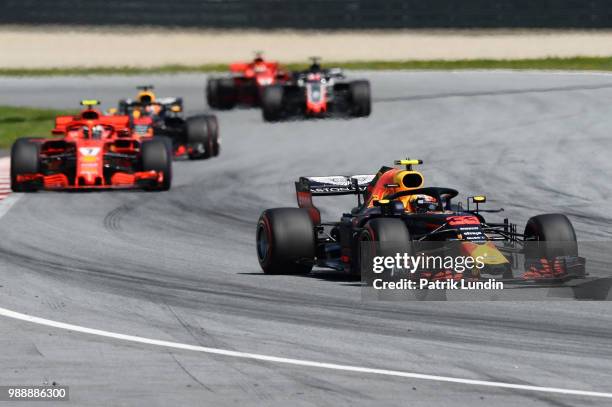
(577, 63)
(18, 122)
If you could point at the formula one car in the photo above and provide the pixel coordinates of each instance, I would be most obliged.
(195, 136)
(316, 92)
(396, 213)
(92, 151)
(245, 85)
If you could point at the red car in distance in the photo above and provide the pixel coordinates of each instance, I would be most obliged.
(245, 83)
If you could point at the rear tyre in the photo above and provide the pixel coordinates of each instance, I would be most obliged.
(213, 128)
(227, 95)
(361, 103)
(155, 156)
(24, 160)
(272, 103)
(200, 144)
(381, 237)
(556, 230)
(285, 241)
(212, 93)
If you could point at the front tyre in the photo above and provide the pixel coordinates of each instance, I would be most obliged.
(200, 143)
(285, 241)
(272, 103)
(381, 237)
(156, 156)
(550, 235)
(24, 160)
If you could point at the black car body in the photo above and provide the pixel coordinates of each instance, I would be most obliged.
(316, 92)
(196, 136)
(293, 240)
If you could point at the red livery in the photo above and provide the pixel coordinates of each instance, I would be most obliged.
(91, 151)
(245, 85)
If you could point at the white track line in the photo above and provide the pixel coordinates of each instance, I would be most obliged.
(8, 202)
(296, 362)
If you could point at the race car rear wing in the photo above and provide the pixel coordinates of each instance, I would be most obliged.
(307, 187)
(334, 184)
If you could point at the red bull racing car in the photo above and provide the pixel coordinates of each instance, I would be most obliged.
(316, 92)
(91, 151)
(244, 86)
(395, 213)
(196, 137)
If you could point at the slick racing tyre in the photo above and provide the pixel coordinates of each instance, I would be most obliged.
(548, 236)
(381, 237)
(361, 104)
(212, 93)
(155, 156)
(24, 160)
(213, 129)
(285, 241)
(272, 103)
(167, 141)
(221, 93)
(200, 142)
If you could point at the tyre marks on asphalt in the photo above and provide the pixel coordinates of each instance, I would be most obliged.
(112, 220)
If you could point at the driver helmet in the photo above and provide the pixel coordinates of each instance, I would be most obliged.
(97, 132)
(422, 203)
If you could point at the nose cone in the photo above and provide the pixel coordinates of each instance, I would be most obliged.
(485, 252)
(90, 162)
(89, 178)
(316, 108)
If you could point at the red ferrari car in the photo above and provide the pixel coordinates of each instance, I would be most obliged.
(244, 86)
(92, 151)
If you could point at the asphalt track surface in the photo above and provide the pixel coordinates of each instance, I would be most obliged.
(180, 265)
